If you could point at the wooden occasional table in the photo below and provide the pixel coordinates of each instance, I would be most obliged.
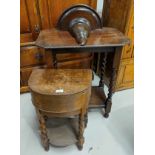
(103, 40)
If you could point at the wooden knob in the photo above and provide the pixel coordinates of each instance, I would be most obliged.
(80, 28)
(39, 56)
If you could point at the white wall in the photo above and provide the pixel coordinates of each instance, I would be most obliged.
(100, 5)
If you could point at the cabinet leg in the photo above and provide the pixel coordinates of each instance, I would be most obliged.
(44, 137)
(81, 130)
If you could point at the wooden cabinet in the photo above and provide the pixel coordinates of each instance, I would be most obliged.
(125, 77)
(32, 56)
(36, 15)
(120, 14)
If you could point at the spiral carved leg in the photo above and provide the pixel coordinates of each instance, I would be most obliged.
(44, 137)
(108, 103)
(103, 67)
(54, 60)
(86, 119)
(81, 130)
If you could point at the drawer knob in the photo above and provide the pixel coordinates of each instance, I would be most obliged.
(37, 28)
(39, 56)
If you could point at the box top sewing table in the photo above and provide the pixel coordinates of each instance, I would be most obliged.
(102, 40)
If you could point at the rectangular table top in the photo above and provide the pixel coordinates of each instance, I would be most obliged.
(105, 37)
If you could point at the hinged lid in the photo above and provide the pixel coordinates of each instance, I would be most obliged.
(60, 82)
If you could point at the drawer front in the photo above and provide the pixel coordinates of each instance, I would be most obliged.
(31, 56)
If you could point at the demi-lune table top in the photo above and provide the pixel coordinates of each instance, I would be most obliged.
(60, 82)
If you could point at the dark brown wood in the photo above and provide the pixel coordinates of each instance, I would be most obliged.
(108, 102)
(106, 37)
(98, 40)
(86, 119)
(103, 68)
(107, 40)
(77, 12)
(61, 93)
(79, 20)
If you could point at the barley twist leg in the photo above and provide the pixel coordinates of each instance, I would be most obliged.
(81, 130)
(44, 137)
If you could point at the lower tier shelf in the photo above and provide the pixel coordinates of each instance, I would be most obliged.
(98, 97)
(62, 132)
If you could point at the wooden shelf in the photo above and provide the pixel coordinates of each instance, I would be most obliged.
(62, 131)
(98, 97)
(106, 37)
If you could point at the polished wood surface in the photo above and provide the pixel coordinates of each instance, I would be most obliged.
(79, 11)
(79, 20)
(61, 93)
(32, 56)
(105, 37)
(71, 81)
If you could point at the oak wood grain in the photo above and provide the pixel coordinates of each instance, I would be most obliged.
(47, 81)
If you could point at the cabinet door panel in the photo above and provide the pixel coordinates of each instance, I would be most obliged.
(24, 20)
(126, 75)
(128, 49)
(29, 20)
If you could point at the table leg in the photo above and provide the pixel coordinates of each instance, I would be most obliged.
(54, 60)
(112, 83)
(103, 67)
(44, 137)
(86, 119)
(108, 102)
(81, 130)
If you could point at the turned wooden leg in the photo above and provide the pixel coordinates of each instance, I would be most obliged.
(44, 137)
(103, 67)
(108, 102)
(54, 60)
(81, 130)
(86, 119)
